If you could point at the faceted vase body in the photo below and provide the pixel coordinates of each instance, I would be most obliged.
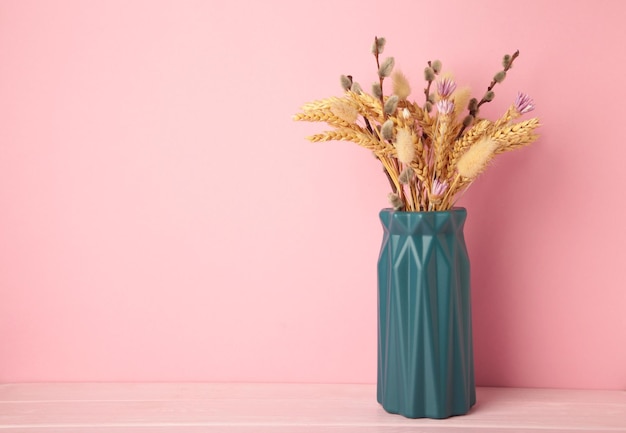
(425, 352)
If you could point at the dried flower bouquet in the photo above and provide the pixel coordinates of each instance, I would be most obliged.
(432, 152)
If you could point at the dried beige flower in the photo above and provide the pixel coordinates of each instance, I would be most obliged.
(401, 86)
(405, 145)
(475, 160)
(344, 111)
(461, 97)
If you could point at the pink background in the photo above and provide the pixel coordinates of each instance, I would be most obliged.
(162, 218)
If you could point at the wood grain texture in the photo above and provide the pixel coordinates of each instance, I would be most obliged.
(283, 408)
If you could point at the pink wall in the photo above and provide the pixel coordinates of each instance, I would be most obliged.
(162, 218)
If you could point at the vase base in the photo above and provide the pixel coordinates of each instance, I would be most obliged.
(429, 415)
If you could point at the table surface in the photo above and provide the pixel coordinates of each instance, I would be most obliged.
(289, 408)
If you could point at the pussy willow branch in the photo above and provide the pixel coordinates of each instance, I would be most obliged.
(473, 113)
(380, 78)
(494, 82)
(427, 88)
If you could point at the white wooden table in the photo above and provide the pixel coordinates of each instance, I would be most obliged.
(289, 408)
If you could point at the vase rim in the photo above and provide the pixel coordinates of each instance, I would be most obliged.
(401, 212)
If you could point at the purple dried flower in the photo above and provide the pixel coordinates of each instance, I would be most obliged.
(524, 103)
(439, 187)
(445, 87)
(445, 106)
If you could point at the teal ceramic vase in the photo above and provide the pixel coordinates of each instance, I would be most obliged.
(425, 354)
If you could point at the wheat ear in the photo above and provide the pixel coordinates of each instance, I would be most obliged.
(514, 136)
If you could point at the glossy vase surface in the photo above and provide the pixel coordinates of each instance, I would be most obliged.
(425, 352)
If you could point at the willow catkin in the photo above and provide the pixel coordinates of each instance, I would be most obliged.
(386, 131)
(386, 67)
(391, 104)
(406, 176)
(395, 201)
(475, 160)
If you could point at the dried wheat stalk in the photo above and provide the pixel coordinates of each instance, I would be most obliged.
(428, 157)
